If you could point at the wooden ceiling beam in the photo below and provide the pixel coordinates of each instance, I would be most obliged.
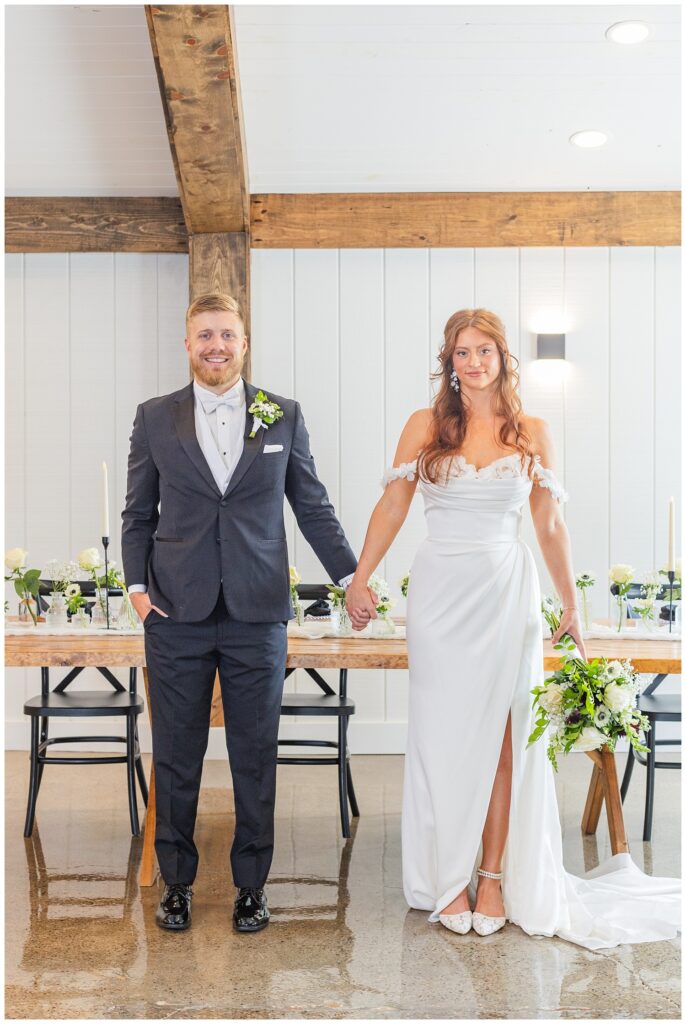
(195, 58)
(464, 219)
(424, 220)
(84, 224)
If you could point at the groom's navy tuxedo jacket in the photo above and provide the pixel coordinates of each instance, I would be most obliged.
(184, 539)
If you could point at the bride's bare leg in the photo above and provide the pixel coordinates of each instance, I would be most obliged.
(488, 894)
(489, 899)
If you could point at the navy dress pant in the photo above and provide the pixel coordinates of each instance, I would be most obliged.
(182, 660)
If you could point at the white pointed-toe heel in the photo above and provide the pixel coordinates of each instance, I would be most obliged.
(460, 923)
(482, 923)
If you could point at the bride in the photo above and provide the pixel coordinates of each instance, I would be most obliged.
(476, 802)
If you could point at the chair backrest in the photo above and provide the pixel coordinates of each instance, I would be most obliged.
(71, 676)
(318, 593)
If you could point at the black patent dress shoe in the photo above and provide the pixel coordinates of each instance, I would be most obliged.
(250, 913)
(174, 911)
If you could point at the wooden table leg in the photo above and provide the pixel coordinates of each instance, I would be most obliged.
(613, 803)
(604, 786)
(594, 803)
(148, 866)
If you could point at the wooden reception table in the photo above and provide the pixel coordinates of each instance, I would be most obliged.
(36, 648)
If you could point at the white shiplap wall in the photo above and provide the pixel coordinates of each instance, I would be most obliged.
(88, 337)
(353, 335)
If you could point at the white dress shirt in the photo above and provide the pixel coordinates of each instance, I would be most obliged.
(220, 431)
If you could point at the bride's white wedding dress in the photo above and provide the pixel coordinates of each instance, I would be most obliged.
(475, 652)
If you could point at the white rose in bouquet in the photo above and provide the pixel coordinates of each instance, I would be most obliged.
(89, 559)
(618, 696)
(589, 739)
(551, 699)
(15, 559)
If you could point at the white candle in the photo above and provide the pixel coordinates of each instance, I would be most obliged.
(106, 503)
(671, 560)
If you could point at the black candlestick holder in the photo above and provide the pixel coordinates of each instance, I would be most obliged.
(670, 576)
(106, 544)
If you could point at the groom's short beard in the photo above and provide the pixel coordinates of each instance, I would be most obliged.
(223, 374)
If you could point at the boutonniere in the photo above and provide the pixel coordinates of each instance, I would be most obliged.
(264, 412)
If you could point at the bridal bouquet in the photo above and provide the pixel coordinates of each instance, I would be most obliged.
(586, 705)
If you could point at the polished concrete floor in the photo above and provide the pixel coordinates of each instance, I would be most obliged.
(81, 939)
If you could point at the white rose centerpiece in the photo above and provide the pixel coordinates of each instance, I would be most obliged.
(26, 583)
(621, 577)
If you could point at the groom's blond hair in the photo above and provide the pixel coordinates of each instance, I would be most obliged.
(214, 302)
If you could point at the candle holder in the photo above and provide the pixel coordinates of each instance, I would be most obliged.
(106, 544)
(670, 576)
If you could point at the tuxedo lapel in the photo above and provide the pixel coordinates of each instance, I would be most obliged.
(252, 446)
(184, 419)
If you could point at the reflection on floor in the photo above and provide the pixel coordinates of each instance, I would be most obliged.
(81, 939)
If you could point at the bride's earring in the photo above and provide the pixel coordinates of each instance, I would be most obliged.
(454, 381)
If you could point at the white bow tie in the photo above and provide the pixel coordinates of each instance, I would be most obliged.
(211, 404)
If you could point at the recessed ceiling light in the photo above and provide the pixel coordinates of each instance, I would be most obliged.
(588, 139)
(628, 32)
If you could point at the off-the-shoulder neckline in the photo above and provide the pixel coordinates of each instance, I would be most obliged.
(489, 465)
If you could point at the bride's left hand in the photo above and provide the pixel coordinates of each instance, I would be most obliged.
(570, 623)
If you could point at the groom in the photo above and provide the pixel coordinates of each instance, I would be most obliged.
(206, 564)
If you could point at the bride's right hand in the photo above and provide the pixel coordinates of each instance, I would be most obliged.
(360, 603)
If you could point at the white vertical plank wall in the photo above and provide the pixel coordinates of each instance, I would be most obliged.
(353, 335)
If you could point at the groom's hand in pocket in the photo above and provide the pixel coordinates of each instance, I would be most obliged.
(143, 605)
(360, 602)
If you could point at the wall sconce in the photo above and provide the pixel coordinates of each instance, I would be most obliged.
(550, 346)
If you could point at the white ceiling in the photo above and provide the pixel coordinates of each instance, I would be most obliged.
(356, 98)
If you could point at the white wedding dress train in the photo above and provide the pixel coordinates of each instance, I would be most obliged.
(474, 647)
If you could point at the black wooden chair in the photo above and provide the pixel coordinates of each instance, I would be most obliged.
(659, 708)
(330, 704)
(57, 703)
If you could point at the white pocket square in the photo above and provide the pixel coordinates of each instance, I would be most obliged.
(272, 448)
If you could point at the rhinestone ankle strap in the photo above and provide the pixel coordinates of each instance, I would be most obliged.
(489, 874)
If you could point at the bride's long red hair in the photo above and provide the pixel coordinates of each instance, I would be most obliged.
(450, 414)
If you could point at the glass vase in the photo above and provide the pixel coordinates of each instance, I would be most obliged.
(56, 615)
(28, 611)
(584, 610)
(126, 616)
(80, 619)
(620, 612)
(299, 611)
(340, 621)
(383, 626)
(98, 617)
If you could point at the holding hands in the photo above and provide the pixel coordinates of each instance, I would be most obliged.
(360, 603)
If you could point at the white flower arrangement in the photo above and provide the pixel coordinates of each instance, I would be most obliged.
(264, 412)
(621, 576)
(586, 705)
(26, 581)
